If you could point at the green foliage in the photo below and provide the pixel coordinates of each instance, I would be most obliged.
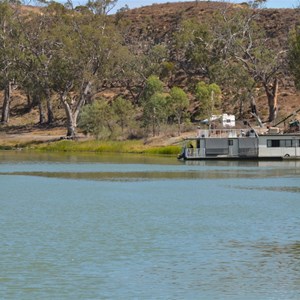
(167, 69)
(137, 68)
(124, 112)
(9, 51)
(178, 100)
(196, 41)
(209, 97)
(233, 40)
(153, 85)
(102, 120)
(101, 6)
(294, 55)
(177, 104)
(154, 104)
(98, 120)
(154, 112)
(256, 3)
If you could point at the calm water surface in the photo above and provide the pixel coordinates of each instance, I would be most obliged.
(134, 227)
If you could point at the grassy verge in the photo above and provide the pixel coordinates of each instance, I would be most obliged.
(106, 147)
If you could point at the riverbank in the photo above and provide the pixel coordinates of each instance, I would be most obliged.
(54, 140)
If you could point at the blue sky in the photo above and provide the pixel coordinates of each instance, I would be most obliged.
(270, 3)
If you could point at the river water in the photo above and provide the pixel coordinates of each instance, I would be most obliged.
(135, 227)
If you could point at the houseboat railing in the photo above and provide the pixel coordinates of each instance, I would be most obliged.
(226, 133)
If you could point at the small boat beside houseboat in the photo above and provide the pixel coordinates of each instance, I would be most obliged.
(250, 143)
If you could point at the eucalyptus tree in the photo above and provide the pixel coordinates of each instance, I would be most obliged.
(153, 85)
(177, 104)
(98, 119)
(234, 37)
(209, 97)
(9, 34)
(101, 7)
(196, 48)
(154, 112)
(140, 66)
(154, 103)
(258, 55)
(124, 112)
(239, 86)
(39, 49)
(88, 56)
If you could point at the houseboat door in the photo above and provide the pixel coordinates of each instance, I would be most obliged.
(232, 147)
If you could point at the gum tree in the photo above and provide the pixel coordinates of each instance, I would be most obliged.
(235, 38)
(177, 104)
(124, 113)
(9, 52)
(89, 54)
(209, 97)
(154, 104)
(39, 49)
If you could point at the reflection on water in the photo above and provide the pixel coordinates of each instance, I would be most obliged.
(135, 227)
(27, 156)
(40, 157)
(290, 189)
(275, 249)
(150, 175)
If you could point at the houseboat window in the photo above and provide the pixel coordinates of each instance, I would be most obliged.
(230, 142)
(288, 143)
(273, 143)
(282, 143)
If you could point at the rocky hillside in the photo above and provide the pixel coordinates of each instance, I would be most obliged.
(157, 23)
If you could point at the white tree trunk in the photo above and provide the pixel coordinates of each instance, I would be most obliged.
(6, 103)
(71, 119)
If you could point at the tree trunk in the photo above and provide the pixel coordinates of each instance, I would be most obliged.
(71, 119)
(6, 103)
(41, 112)
(84, 97)
(272, 94)
(253, 105)
(179, 124)
(50, 115)
(71, 112)
(29, 102)
(71, 122)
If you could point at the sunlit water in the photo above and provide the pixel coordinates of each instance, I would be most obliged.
(100, 227)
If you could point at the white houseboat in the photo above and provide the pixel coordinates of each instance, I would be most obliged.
(270, 144)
